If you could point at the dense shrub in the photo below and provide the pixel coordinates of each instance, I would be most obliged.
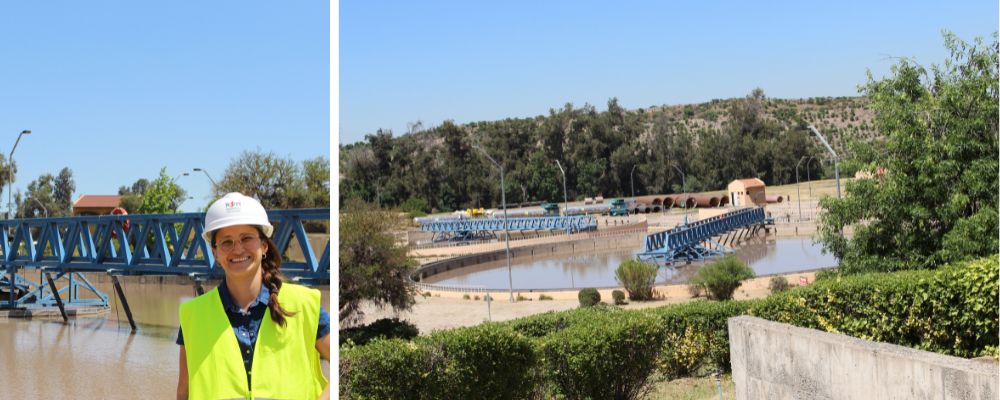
(697, 336)
(388, 328)
(388, 369)
(952, 310)
(777, 284)
(488, 361)
(638, 278)
(721, 278)
(610, 356)
(588, 297)
(618, 296)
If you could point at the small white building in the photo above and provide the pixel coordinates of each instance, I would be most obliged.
(747, 192)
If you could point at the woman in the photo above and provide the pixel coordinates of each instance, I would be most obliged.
(219, 329)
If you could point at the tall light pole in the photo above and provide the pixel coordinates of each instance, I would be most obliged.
(798, 192)
(631, 178)
(565, 199)
(178, 176)
(836, 168)
(10, 165)
(43, 206)
(506, 233)
(684, 190)
(206, 174)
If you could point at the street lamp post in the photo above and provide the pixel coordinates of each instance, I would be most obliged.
(631, 178)
(178, 177)
(684, 190)
(565, 199)
(506, 233)
(43, 206)
(836, 168)
(206, 174)
(798, 192)
(10, 165)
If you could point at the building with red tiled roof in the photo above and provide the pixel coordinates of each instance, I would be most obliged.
(95, 204)
(747, 192)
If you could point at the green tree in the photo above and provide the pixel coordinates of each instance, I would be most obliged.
(159, 196)
(272, 180)
(937, 201)
(373, 265)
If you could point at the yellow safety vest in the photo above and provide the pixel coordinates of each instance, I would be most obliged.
(285, 362)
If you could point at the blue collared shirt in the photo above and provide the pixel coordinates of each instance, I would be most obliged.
(246, 324)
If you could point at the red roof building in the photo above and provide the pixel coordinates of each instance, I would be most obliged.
(95, 204)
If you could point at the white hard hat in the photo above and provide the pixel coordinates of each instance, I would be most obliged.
(235, 209)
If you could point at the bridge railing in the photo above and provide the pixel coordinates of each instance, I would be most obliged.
(697, 232)
(160, 244)
(570, 224)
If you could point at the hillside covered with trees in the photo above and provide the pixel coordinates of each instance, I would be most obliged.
(603, 153)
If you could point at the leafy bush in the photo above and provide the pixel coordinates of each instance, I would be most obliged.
(544, 297)
(721, 278)
(588, 297)
(388, 369)
(697, 336)
(638, 278)
(610, 356)
(488, 361)
(778, 284)
(387, 328)
(618, 296)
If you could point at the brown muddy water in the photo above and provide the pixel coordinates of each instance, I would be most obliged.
(767, 256)
(98, 357)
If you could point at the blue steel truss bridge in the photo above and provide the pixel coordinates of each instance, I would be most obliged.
(486, 228)
(61, 249)
(706, 238)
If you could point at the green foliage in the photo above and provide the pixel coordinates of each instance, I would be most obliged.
(638, 278)
(373, 266)
(385, 328)
(696, 338)
(719, 142)
(721, 278)
(159, 196)
(937, 201)
(278, 183)
(604, 357)
(952, 310)
(606, 352)
(618, 296)
(389, 369)
(415, 207)
(588, 297)
(48, 196)
(488, 361)
(777, 284)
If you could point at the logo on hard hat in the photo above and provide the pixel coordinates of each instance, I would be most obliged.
(233, 206)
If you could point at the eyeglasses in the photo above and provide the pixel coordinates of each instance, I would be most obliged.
(247, 242)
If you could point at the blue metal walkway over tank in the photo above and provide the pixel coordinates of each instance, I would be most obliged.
(695, 241)
(160, 244)
(479, 228)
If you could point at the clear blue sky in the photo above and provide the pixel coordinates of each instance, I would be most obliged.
(115, 90)
(468, 61)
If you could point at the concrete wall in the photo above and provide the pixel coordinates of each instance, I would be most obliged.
(778, 361)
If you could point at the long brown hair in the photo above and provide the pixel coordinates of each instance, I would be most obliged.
(270, 266)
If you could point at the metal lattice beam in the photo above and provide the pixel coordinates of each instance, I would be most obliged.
(694, 241)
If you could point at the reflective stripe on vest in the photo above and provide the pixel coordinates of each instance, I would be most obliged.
(285, 363)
